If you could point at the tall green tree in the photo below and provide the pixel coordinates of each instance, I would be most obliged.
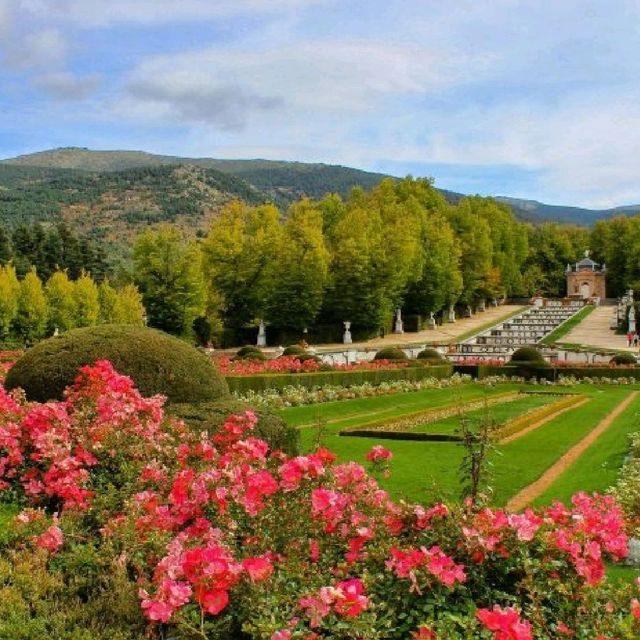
(86, 299)
(240, 257)
(440, 282)
(129, 306)
(302, 267)
(108, 300)
(9, 296)
(59, 291)
(31, 319)
(168, 272)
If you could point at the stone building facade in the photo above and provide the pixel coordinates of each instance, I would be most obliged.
(586, 279)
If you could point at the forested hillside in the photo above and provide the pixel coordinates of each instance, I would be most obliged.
(278, 181)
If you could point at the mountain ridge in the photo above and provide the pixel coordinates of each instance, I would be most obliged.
(279, 180)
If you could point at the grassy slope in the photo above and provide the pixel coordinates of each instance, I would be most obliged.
(567, 326)
(598, 468)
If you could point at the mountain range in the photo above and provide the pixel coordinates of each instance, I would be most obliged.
(111, 193)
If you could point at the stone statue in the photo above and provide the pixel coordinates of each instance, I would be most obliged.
(346, 338)
(632, 319)
(398, 327)
(431, 323)
(262, 335)
(452, 314)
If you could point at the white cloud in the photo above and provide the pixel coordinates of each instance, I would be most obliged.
(64, 85)
(104, 13)
(310, 80)
(38, 49)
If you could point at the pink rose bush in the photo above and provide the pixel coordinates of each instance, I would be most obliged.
(220, 536)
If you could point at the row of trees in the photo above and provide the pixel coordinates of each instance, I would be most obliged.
(51, 248)
(324, 261)
(31, 310)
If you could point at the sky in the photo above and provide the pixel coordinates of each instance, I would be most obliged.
(537, 99)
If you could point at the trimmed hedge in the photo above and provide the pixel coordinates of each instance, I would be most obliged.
(261, 382)
(401, 435)
(624, 358)
(480, 371)
(430, 355)
(294, 350)
(209, 417)
(391, 353)
(528, 355)
(156, 361)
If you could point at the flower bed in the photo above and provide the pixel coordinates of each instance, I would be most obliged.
(170, 533)
(292, 364)
(294, 396)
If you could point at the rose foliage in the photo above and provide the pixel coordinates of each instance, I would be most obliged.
(216, 536)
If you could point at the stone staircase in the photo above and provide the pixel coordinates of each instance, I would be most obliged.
(527, 328)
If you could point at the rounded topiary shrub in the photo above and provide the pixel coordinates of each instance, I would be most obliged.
(430, 355)
(529, 355)
(156, 361)
(209, 416)
(294, 350)
(390, 353)
(248, 350)
(624, 358)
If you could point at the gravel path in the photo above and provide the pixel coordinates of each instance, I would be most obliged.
(594, 331)
(532, 491)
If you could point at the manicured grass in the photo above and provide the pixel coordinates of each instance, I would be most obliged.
(345, 413)
(425, 469)
(499, 413)
(524, 460)
(565, 327)
(597, 469)
(622, 573)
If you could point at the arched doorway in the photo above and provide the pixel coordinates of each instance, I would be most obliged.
(585, 290)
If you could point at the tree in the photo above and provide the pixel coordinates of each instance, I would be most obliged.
(85, 295)
(440, 282)
(240, 254)
(59, 291)
(108, 299)
(168, 272)
(302, 266)
(129, 308)
(31, 320)
(474, 237)
(9, 295)
(6, 251)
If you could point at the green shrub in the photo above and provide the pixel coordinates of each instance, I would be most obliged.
(624, 358)
(294, 350)
(391, 353)
(249, 352)
(431, 355)
(528, 354)
(261, 382)
(309, 356)
(209, 416)
(157, 362)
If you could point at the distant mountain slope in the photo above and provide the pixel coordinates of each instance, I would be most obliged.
(278, 181)
(115, 205)
(533, 210)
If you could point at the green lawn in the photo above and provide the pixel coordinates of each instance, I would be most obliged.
(597, 469)
(566, 326)
(423, 469)
(499, 413)
(345, 413)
